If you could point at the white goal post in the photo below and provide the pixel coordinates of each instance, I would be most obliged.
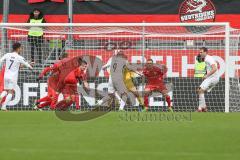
(174, 44)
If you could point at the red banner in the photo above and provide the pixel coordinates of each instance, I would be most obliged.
(180, 63)
(39, 1)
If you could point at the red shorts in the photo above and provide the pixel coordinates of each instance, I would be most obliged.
(156, 87)
(70, 89)
(51, 92)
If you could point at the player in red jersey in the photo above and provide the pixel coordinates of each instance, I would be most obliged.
(69, 88)
(65, 67)
(52, 96)
(155, 82)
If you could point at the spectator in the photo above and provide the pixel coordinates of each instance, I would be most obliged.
(35, 34)
(199, 67)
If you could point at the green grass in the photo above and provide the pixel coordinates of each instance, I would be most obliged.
(41, 135)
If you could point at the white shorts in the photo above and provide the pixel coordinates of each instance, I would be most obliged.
(209, 83)
(9, 84)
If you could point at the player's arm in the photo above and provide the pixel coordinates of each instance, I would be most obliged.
(2, 59)
(213, 70)
(22, 65)
(85, 84)
(25, 63)
(136, 68)
(107, 65)
(45, 71)
(164, 69)
(82, 79)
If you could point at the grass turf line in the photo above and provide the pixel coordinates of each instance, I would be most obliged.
(40, 135)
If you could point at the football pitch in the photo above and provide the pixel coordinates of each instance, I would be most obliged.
(41, 135)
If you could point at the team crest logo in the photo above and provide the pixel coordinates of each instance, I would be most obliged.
(197, 11)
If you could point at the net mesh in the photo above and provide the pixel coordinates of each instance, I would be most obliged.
(174, 46)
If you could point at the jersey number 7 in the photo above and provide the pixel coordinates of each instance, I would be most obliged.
(12, 61)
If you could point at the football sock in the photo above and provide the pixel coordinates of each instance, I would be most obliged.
(77, 102)
(8, 99)
(3, 94)
(2, 100)
(140, 100)
(122, 105)
(44, 104)
(168, 99)
(146, 103)
(202, 102)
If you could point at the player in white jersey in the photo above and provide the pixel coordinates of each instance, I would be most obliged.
(210, 79)
(13, 62)
(111, 88)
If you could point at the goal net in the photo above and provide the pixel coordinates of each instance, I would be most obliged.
(175, 45)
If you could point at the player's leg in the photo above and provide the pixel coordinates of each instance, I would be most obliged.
(131, 88)
(9, 88)
(202, 103)
(44, 104)
(68, 91)
(136, 94)
(44, 99)
(164, 91)
(73, 98)
(39, 101)
(65, 103)
(52, 94)
(3, 96)
(121, 102)
(125, 94)
(110, 95)
(2, 100)
(62, 105)
(207, 85)
(74, 95)
(54, 101)
(203, 87)
(77, 102)
(121, 94)
(147, 91)
(9, 96)
(168, 99)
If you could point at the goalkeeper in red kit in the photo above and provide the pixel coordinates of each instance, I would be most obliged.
(69, 88)
(155, 82)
